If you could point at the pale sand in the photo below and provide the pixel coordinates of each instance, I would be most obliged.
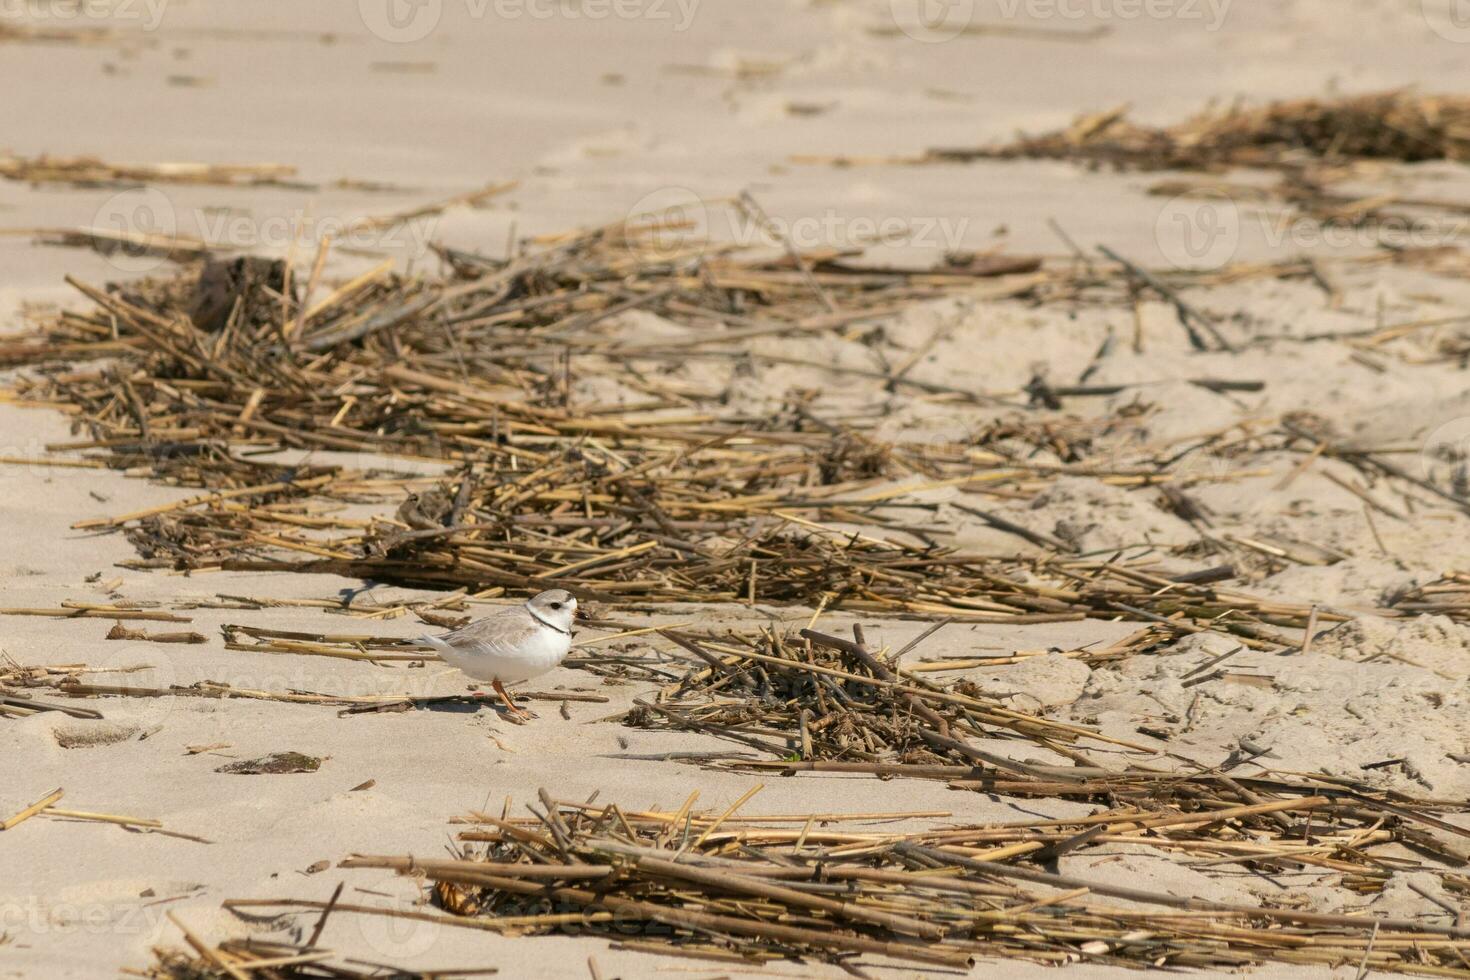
(527, 99)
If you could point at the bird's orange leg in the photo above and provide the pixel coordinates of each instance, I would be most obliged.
(505, 696)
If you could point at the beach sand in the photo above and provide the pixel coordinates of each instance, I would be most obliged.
(595, 119)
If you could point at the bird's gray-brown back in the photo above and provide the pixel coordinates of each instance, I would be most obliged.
(505, 629)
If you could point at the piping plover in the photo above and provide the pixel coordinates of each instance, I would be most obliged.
(514, 644)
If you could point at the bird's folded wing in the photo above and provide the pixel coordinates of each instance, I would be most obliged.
(499, 635)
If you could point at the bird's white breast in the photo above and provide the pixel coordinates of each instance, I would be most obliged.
(508, 658)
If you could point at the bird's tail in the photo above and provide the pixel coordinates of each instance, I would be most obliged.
(446, 650)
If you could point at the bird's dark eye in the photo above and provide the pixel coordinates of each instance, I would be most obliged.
(556, 605)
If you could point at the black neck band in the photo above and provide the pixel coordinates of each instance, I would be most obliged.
(545, 623)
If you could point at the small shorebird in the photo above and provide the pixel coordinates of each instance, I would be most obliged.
(514, 644)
